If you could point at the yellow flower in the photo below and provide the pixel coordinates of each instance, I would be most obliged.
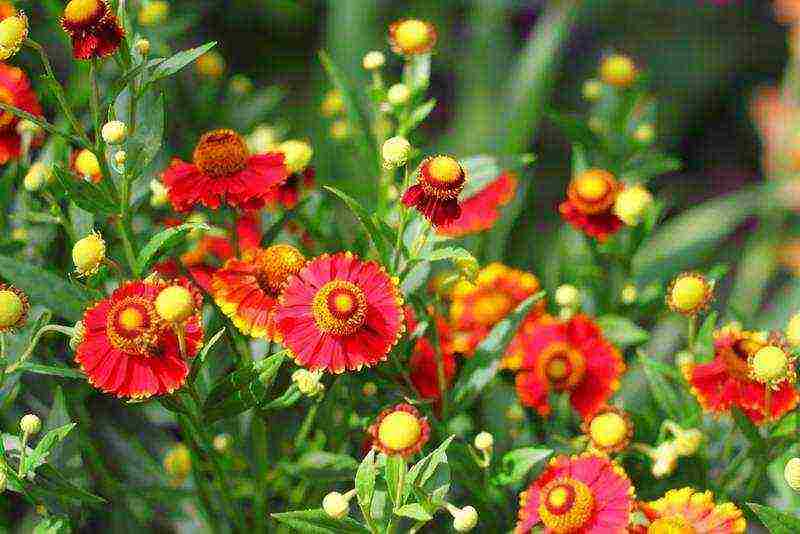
(610, 430)
(411, 37)
(399, 430)
(618, 70)
(30, 424)
(175, 304)
(464, 519)
(484, 441)
(142, 46)
(211, 64)
(37, 176)
(114, 132)
(568, 296)
(792, 474)
(631, 204)
(178, 463)
(297, 154)
(332, 104)
(336, 505)
(88, 254)
(13, 32)
(689, 293)
(13, 308)
(308, 382)
(153, 13)
(86, 164)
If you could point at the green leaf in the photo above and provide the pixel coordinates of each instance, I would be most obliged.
(516, 464)
(365, 480)
(45, 288)
(416, 117)
(45, 445)
(749, 429)
(322, 466)
(172, 65)
(574, 128)
(395, 472)
(645, 167)
(414, 511)
(318, 522)
(484, 365)
(52, 370)
(86, 195)
(163, 243)
(424, 469)
(776, 521)
(704, 343)
(663, 392)
(82, 221)
(200, 360)
(621, 331)
(366, 220)
(144, 143)
(50, 480)
(53, 525)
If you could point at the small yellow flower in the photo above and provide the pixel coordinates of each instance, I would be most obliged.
(158, 193)
(332, 104)
(30, 424)
(178, 463)
(629, 294)
(631, 204)
(644, 134)
(373, 60)
(142, 46)
(689, 293)
(568, 296)
(153, 13)
(610, 430)
(297, 154)
(792, 474)
(37, 177)
(772, 366)
(175, 304)
(86, 164)
(211, 65)
(88, 254)
(13, 308)
(222, 442)
(793, 331)
(13, 32)
(114, 132)
(592, 90)
(399, 430)
(398, 94)
(618, 70)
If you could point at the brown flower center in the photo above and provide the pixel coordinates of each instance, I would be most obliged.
(221, 153)
(276, 264)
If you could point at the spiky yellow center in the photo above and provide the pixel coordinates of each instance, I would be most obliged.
(132, 326)
(675, 524)
(591, 186)
(80, 12)
(399, 430)
(340, 307)
(608, 430)
(445, 169)
(175, 304)
(88, 254)
(11, 308)
(689, 293)
(769, 364)
(276, 264)
(566, 505)
(412, 35)
(221, 153)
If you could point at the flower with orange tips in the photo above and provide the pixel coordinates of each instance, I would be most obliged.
(340, 313)
(85, 164)
(571, 356)
(412, 37)
(439, 182)
(247, 289)
(480, 211)
(590, 203)
(94, 29)
(223, 171)
(15, 90)
(609, 430)
(688, 510)
(128, 350)
(586, 494)
(727, 381)
(400, 430)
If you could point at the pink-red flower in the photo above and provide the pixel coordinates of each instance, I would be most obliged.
(94, 29)
(690, 510)
(15, 90)
(439, 182)
(481, 211)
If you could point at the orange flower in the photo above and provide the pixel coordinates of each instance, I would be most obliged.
(93, 28)
(480, 211)
(15, 90)
(689, 510)
(439, 182)
(411, 37)
(590, 204)
(400, 430)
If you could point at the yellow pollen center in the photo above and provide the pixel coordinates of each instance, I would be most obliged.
(399, 430)
(344, 303)
(86, 163)
(221, 153)
(591, 187)
(608, 429)
(11, 308)
(566, 505)
(671, 525)
(339, 308)
(82, 11)
(769, 364)
(133, 327)
(558, 497)
(562, 366)
(276, 264)
(131, 319)
(557, 369)
(412, 35)
(445, 169)
(688, 293)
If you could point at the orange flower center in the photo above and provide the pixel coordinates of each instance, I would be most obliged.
(566, 505)
(442, 177)
(84, 12)
(340, 307)
(221, 153)
(6, 97)
(133, 326)
(276, 264)
(593, 191)
(562, 366)
(675, 524)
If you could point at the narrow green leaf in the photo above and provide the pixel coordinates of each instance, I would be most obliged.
(416, 117)
(88, 196)
(621, 331)
(51, 370)
(172, 65)
(200, 360)
(424, 469)
(366, 221)
(164, 242)
(395, 472)
(323, 466)
(365, 480)
(318, 522)
(663, 392)
(46, 443)
(776, 521)
(647, 166)
(516, 464)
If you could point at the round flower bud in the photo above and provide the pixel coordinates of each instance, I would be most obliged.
(13, 32)
(340, 129)
(644, 134)
(158, 193)
(395, 152)
(411, 37)
(308, 382)
(689, 293)
(792, 473)
(86, 164)
(211, 64)
(262, 140)
(142, 46)
(222, 442)
(629, 294)
(332, 104)
(770, 365)
(465, 520)
(592, 89)
(178, 462)
(336, 505)
(297, 154)
(618, 70)
(120, 157)
(88, 254)
(373, 60)
(13, 308)
(37, 176)
(79, 331)
(30, 424)
(568, 296)
(484, 441)
(631, 204)
(153, 13)
(369, 389)
(793, 331)
(175, 304)
(114, 132)
(398, 94)
(399, 430)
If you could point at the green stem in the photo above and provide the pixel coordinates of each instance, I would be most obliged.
(305, 428)
(260, 436)
(130, 254)
(203, 486)
(66, 330)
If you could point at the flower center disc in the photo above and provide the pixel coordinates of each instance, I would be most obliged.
(608, 429)
(562, 366)
(442, 177)
(6, 118)
(83, 12)
(566, 505)
(399, 430)
(221, 153)
(340, 307)
(671, 525)
(412, 35)
(276, 264)
(132, 326)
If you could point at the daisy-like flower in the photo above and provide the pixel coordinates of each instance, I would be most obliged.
(247, 289)
(689, 293)
(340, 313)
(726, 381)
(14, 308)
(439, 182)
(571, 356)
(412, 37)
(586, 494)
(223, 171)
(15, 90)
(689, 510)
(94, 29)
(590, 204)
(480, 211)
(128, 350)
(400, 430)
(609, 430)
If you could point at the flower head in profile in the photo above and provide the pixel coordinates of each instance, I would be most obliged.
(94, 29)
(481, 210)
(224, 172)
(14, 308)
(571, 356)
(728, 381)
(85, 164)
(13, 32)
(246, 289)
(340, 313)
(689, 510)
(15, 90)
(128, 350)
(412, 37)
(400, 430)
(586, 494)
(590, 204)
(439, 182)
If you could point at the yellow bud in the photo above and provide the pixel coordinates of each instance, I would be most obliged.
(618, 70)
(792, 474)
(398, 94)
(412, 36)
(297, 154)
(114, 132)
(158, 193)
(336, 505)
(631, 204)
(86, 164)
(153, 13)
(568, 296)
(37, 176)
(211, 64)
(13, 307)
(465, 519)
(395, 152)
(373, 60)
(175, 304)
(629, 294)
(592, 90)
(665, 459)
(369, 389)
(142, 46)
(13, 32)
(88, 254)
(178, 462)
(608, 430)
(120, 157)
(262, 140)
(688, 293)
(484, 441)
(399, 430)
(222, 442)
(30, 424)
(340, 129)
(308, 382)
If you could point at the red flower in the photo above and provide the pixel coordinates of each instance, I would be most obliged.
(480, 211)
(725, 382)
(223, 172)
(400, 430)
(690, 510)
(584, 494)
(15, 90)
(439, 182)
(340, 313)
(93, 28)
(423, 365)
(571, 356)
(287, 194)
(590, 203)
(128, 350)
